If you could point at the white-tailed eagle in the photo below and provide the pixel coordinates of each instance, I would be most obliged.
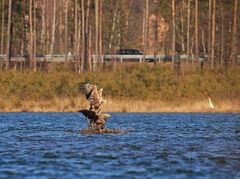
(93, 95)
(95, 120)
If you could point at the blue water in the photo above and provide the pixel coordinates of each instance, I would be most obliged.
(159, 145)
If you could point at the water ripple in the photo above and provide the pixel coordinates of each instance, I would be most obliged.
(166, 145)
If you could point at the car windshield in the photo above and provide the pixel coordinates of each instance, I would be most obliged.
(129, 52)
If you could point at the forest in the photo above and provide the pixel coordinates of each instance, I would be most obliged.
(91, 28)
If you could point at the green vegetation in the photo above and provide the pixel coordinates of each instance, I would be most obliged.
(133, 82)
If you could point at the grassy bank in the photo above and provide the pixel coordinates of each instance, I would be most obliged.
(134, 88)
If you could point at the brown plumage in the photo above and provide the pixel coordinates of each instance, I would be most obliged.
(93, 95)
(95, 120)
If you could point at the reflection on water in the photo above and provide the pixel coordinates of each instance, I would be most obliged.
(166, 145)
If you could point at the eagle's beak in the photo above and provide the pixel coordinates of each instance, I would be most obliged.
(107, 115)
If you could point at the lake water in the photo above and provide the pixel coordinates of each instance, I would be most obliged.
(158, 145)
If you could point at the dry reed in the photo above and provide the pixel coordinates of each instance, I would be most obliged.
(119, 105)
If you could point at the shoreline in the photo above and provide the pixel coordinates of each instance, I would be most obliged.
(115, 105)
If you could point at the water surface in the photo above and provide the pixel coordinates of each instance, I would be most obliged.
(159, 145)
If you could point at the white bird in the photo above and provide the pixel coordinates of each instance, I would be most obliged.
(210, 103)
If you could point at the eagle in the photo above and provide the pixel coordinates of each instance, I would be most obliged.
(95, 120)
(93, 95)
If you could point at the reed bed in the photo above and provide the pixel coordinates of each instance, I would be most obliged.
(120, 105)
(138, 88)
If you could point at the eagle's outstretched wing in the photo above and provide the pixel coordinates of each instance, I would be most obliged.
(93, 95)
(95, 120)
(93, 115)
(90, 91)
(88, 114)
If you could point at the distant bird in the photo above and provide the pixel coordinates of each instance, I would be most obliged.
(95, 120)
(210, 103)
(93, 95)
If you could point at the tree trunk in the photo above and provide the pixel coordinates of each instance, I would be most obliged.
(9, 34)
(43, 33)
(24, 46)
(222, 34)
(89, 51)
(145, 29)
(119, 34)
(196, 30)
(234, 35)
(53, 29)
(79, 42)
(203, 42)
(48, 26)
(61, 27)
(31, 36)
(173, 33)
(66, 32)
(87, 42)
(209, 28)
(100, 29)
(83, 36)
(213, 34)
(76, 33)
(115, 15)
(182, 29)
(34, 38)
(2, 35)
(96, 57)
(188, 31)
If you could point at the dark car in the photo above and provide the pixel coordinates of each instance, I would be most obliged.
(129, 52)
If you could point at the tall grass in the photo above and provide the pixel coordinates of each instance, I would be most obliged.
(57, 89)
